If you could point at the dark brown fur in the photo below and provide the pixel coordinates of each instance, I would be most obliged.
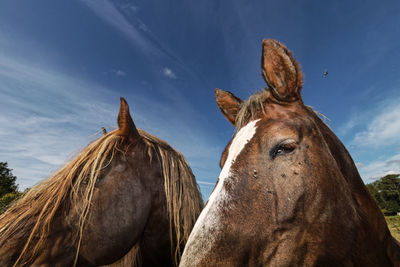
(294, 196)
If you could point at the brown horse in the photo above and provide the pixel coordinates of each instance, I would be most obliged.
(128, 190)
(289, 193)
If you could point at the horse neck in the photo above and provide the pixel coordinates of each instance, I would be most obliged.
(368, 210)
(155, 244)
(350, 173)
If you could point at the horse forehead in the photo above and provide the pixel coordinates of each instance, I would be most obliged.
(243, 136)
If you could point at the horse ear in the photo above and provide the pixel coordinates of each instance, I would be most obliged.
(228, 103)
(127, 128)
(281, 71)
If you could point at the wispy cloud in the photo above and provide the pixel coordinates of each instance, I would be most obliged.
(130, 6)
(373, 137)
(124, 18)
(205, 183)
(169, 73)
(109, 13)
(377, 169)
(119, 73)
(46, 117)
(383, 128)
(349, 126)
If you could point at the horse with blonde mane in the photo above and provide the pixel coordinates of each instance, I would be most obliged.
(128, 191)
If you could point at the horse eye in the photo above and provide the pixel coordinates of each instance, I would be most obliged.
(283, 148)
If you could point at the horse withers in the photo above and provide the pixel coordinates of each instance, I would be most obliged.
(288, 193)
(126, 191)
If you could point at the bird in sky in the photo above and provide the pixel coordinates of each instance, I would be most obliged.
(325, 73)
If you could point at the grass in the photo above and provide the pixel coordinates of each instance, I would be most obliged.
(394, 226)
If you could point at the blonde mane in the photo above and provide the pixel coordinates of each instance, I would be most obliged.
(73, 186)
(250, 108)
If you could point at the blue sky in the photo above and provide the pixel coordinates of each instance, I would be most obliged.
(64, 65)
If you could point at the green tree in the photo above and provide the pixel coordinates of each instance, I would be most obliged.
(7, 180)
(8, 187)
(375, 193)
(7, 199)
(386, 192)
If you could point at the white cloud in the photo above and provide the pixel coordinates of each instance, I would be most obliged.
(374, 139)
(169, 73)
(377, 169)
(349, 125)
(383, 128)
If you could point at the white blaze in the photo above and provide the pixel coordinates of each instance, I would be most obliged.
(209, 217)
(241, 139)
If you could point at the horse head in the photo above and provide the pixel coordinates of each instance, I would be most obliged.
(126, 191)
(288, 192)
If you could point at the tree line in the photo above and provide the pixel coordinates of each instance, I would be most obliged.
(386, 192)
(8, 187)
